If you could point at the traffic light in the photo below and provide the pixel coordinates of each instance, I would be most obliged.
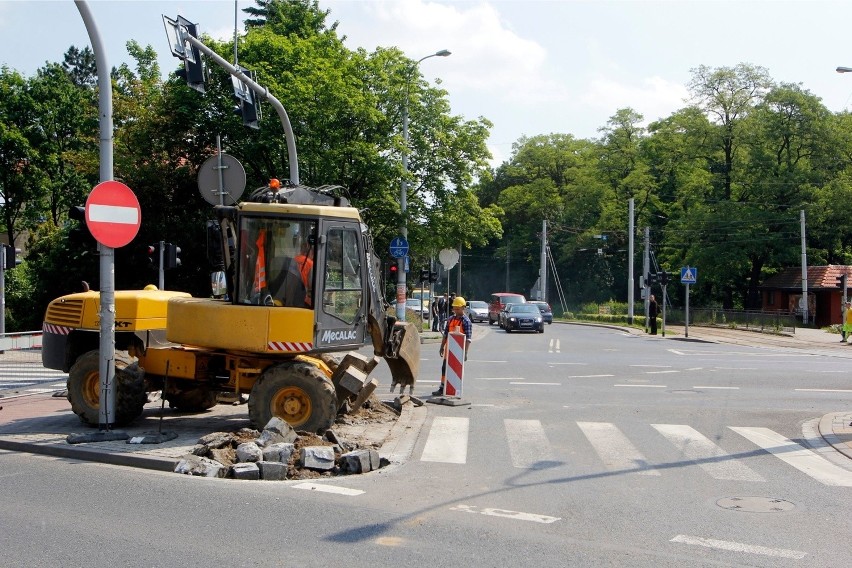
(433, 276)
(170, 256)
(393, 272)
(664, 278)
(424, 275)
(153, 255)
(193, 66)
(80, 235)
(247, 104)
(652, 278)
(11, 260)
(841, 282)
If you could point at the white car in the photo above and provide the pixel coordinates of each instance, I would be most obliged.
(413, 304)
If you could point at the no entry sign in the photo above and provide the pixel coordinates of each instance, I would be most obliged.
(112, 214)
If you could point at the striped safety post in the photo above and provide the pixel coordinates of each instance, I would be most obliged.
(455, 363)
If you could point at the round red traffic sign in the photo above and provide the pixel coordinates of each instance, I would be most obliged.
(112, 214)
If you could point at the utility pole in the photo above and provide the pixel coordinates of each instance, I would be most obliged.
(805, 318)
(458, 276)
(630, 291)
(507, 267)
(542, 273)
(646, 273)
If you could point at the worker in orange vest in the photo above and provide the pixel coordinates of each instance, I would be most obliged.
(457, 323)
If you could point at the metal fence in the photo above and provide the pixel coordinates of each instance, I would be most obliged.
(20, 361)
(741, 319)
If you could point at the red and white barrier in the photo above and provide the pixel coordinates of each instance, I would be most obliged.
(455, 363)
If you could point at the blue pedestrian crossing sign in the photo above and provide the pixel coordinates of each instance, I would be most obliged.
(399, 247)
(688, 275)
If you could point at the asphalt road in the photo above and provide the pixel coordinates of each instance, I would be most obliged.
(582, 446)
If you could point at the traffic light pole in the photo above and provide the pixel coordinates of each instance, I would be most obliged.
(263, 92)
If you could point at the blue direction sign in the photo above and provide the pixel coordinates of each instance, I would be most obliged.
(399, 247)
(688, 275)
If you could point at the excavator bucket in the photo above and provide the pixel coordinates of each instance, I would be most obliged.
(402, 352)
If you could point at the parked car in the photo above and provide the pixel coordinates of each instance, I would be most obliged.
(523, 317)
(499, 301)
(413, 304)
(476, 310)
(546, 311)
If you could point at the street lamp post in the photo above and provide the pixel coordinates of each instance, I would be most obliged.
(403, 196)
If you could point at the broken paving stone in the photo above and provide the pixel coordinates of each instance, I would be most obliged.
(197, 465)
(280, 452)
(272, 470)
(247, 470)
(225, 456)
(360, 461)
(275, 431)
(249, 452)
(317, 457)
(216, 440)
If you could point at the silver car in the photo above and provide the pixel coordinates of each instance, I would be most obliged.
(477, 310)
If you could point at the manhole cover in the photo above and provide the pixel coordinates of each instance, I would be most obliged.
(755, 504)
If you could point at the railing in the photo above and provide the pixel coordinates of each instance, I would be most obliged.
(20, 361)
(767, 322)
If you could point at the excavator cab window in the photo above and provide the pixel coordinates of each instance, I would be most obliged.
(277, 262)
(342, 289)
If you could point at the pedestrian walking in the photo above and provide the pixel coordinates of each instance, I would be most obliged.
(653, 310)
(443, 309)
(458, 323)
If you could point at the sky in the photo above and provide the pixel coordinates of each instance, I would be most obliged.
(529, 66)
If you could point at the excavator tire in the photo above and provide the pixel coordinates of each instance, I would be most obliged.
(84, 389)
(193, 399)
(298, 393)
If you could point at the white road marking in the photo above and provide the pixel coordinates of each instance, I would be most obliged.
(643, 386)
(487, 361)
(570, 363)
(588, 376)
(822, 390)
(676, 352)
(516, 515)
(694, 369)
(614, 449)
(554, 346)
(499, 378)
(528, 443)
(661, 372)
(328, 489)
(738, 547)
(447, 442)
(804, 460)
(654, 366)
(717, 388)
(710, 457)
(546, 384)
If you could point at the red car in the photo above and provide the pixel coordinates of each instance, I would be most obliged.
(499, 301)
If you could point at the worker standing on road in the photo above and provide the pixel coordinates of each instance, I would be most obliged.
(457, 323)
(846, 328)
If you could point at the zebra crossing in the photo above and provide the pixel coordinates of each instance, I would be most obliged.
(528, 447)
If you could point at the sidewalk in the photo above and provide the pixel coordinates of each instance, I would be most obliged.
(40, 424)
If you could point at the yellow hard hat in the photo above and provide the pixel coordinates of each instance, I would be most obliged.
(150, 287)
(459, 302)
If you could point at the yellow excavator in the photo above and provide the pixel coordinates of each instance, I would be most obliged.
(296, 283)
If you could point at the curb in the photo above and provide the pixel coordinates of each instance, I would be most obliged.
(90, 454)
(826, 430)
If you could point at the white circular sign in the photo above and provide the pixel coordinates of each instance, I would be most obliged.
(448, 257)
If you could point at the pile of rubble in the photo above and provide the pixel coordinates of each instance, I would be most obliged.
(279, 452)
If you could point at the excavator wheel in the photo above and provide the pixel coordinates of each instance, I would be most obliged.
(84, 389)
(191, 399)
(298, 393)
